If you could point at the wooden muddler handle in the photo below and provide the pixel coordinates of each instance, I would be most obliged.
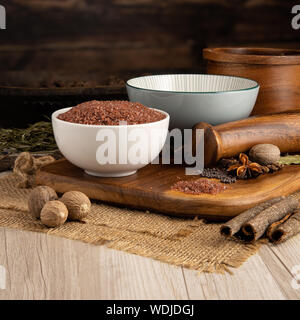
(230, 139)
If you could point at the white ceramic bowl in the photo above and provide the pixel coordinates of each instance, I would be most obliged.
(192, 98)
(85, 145)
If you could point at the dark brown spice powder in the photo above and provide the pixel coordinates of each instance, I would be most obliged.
(199, 186)
(217, 173)
(111, 113)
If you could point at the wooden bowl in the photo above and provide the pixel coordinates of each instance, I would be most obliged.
(276, 70)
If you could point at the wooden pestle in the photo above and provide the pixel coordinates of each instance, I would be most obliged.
(230, 139)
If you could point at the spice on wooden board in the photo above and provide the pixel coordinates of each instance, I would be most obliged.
(225, 163)
(245, 168)
(265, 154)
(234, 225)
(199, 186)
(270, 168)
(287, 229)
(257, 226)
(111, 113)
(217, 173)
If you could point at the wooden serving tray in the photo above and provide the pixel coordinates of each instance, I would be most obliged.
(150, 189)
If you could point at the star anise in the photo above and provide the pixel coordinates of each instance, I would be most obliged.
(245, 168)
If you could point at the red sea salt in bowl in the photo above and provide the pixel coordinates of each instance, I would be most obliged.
(95, 137)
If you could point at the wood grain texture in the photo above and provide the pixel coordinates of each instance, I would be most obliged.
(150, 189)
(250, 281)
(45, 267)
(65, 269)
(68, 269)
(232, 138)
(130, 34)
(253, 56)
(126, 38)
(234, 20)
(276, 70)
(281, 266)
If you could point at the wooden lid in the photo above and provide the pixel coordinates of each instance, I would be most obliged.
(253, 55)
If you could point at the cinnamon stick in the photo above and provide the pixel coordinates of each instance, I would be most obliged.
(275, 225)
(256, 227)
(287, 229)
(234, 225)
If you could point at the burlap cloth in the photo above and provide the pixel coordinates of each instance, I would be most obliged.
(189, 243)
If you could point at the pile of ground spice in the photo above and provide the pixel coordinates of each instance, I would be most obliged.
(199, 186)
(111, 113)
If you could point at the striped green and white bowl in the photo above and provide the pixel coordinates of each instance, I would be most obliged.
(191, 98)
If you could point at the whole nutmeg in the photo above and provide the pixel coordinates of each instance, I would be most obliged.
(78, 204)
(54, 214)
(265, 154)
(38, 197)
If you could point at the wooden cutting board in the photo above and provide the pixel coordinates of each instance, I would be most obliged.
(150, 189)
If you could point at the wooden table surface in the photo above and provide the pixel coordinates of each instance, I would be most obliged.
(38, 266)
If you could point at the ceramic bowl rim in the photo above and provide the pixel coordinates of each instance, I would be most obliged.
(60, 111)
(193, 92)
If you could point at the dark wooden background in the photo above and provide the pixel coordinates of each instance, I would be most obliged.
(136, 36)
(118, 39)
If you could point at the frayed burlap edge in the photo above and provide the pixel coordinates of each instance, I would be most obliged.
(208, 266)
(191, 244)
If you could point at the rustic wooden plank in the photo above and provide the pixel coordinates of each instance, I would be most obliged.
(109, 61)
(112, 60)
(288, 252)
(234, 20)
(133, 277)
(145, 36)
(46, 267)
(280, 261)
(251, 281)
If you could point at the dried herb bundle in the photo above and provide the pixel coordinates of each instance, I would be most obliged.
(37, 137)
